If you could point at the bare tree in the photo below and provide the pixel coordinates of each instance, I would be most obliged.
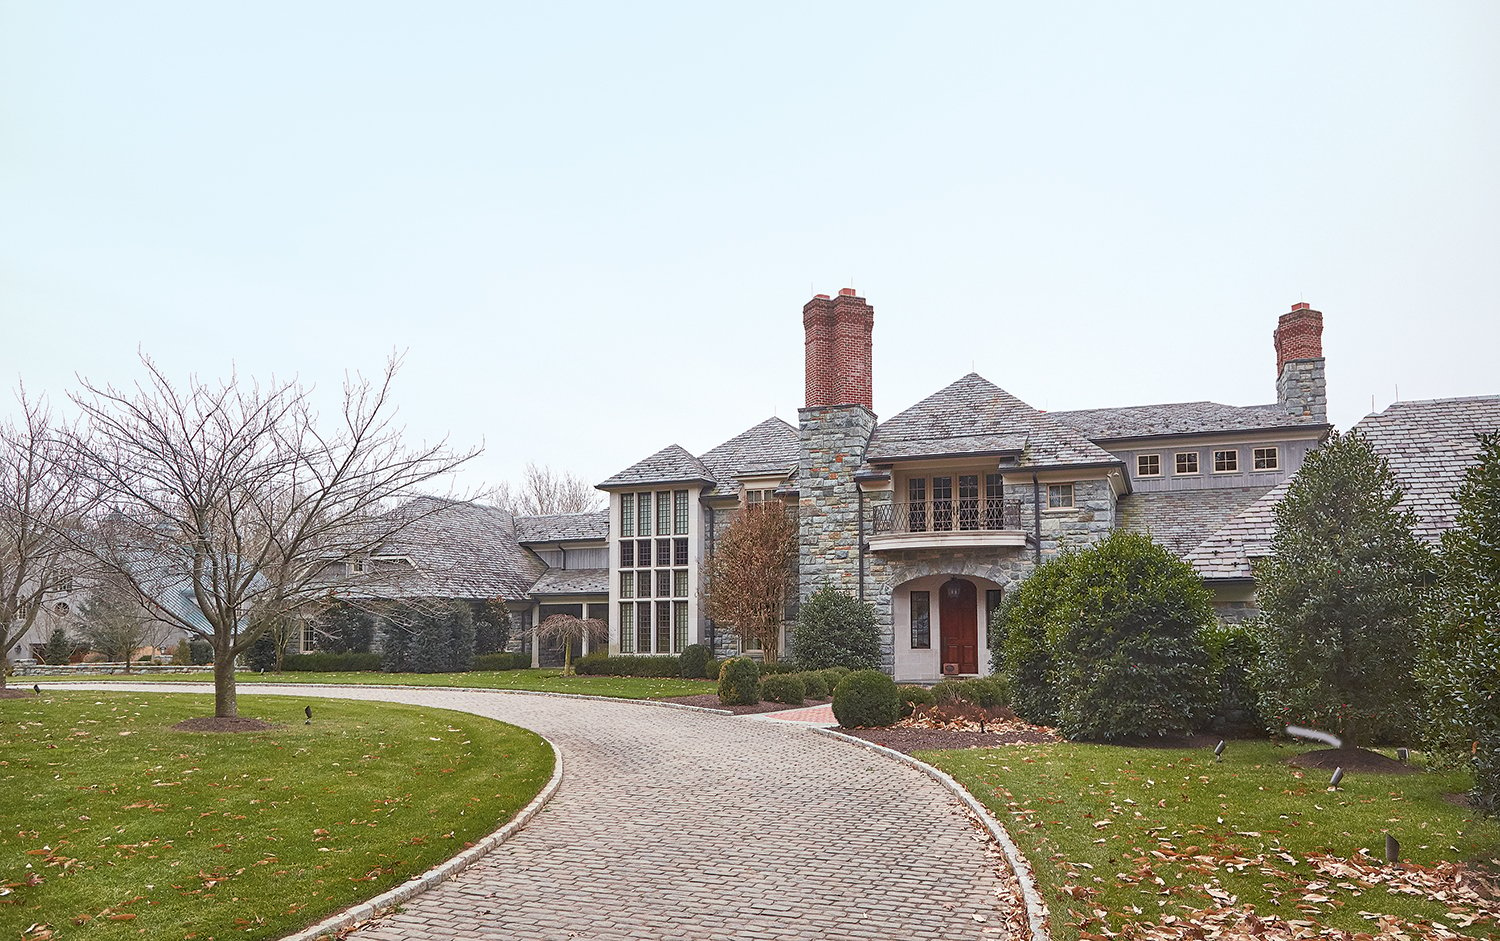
(230, 500)
(545, 492)
(115, 624)
(42, 500)
(751, 573)
(568, 630)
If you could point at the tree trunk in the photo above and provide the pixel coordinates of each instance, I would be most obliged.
(4, 666)
(225, 704)
(567, 657)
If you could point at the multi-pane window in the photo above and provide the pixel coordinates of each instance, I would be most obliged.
(1148, 465)
(679, 552)
(1059, 496)
(680, 512)
(644, 514)
(942, 503)
(959, 502)
(916, 495)
(994, 493)
(759, 497)
(663, 583)
(679, 625)
(663, 627)
(627, 514)
(309, 636)
(921, 620)
(968, 501)
(627, 627)
(663, 552)
(643, 627)
(664, 513)
(1226, 462)
(627, 584)
(991, 604)
(1187, 462)
(627, 554)
(679, 583)
(1267, 459)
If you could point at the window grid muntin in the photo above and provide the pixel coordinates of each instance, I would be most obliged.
(679, 626)
(921, 620)
(627, 514)
(679, 552)
(679, 583)
(643, 627)
(643, 515)
(1266, 459)
(627, 584)
(627, 627)
(1186, 462)
(1059, 496)
(680, 512)
(1148, 465)
(664, 627)
(1227, 461)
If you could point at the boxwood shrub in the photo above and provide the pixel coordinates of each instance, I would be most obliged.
(913, 696)
(784, 688)
(711, 668)
(332, 662)
(814, 684)
(692, 660)
(866, 699)
(777, 668)
(739, 682)
(502, 661)
(600, 665)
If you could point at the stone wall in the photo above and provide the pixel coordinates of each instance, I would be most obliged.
(1091, 518)
(1302, 389)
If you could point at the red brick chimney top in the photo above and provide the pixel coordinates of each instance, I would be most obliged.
(820, 297)
(838, 349)
(1302, 306)
(846, 292)
(1298, 335)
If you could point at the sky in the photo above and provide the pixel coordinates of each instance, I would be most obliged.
(590, 228)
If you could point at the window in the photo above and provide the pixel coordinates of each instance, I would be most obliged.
(66, 584)
(968, 501)
(1226, 462)
(942, 503)
(664, 513)
(916, 495)
(663, 552)
(679, 552)
(643, 627)
(627, 584)
(61, 608)
(679, 584)
(309, 636)
(627, 627)
(679, 626)
(921, 620)
(643, 553)
(759, 497)
(1059, 496)
(643, 514)
(680, 512)
(627, 554)
(1187, 462)
(627, 514)
(991, 604)
(1148, 465)
(663, 627)
(1267, 459)
(357, 567)
(994, 494)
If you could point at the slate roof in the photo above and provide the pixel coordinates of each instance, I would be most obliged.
(770, 447)
(1181, 519)
(572, 582)
(459, 549)
(1176, 418)
(975, 416)
(1232, 550)
(671, 465)
(563, 527)
(1429, 444)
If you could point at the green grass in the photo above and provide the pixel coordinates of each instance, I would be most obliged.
(114, 826)
(1100, 824)
(544, 681)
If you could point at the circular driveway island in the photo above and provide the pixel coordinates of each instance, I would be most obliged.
(677, 824)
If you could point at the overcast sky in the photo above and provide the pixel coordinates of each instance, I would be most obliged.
(592, 227)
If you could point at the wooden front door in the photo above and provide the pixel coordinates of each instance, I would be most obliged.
(959, 625)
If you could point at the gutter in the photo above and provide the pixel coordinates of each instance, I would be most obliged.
(713, 645)
(860, 492)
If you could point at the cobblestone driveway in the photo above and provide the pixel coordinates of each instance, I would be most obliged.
(673, 824)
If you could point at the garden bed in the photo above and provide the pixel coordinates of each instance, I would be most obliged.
(711, 701)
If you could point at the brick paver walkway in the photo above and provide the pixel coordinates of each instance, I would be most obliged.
(673, 824)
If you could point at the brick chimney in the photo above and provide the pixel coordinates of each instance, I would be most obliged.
(1301, 388)
(837, 346)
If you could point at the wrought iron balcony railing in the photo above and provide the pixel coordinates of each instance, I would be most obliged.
(944, 516)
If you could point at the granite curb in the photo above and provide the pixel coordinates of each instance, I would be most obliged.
(1036, 909)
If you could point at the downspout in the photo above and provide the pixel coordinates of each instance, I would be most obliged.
(564, 550)
(713, 639)
(1036, 515)
(860, 491)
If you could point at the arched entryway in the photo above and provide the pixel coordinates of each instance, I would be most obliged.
(940, 626)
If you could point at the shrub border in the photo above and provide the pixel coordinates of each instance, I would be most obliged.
(1035, 908)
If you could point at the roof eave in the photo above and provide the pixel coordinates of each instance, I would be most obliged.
(1321, 429)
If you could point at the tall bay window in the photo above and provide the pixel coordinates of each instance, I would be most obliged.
(653, 557)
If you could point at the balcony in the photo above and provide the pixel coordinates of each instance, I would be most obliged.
(940, 524)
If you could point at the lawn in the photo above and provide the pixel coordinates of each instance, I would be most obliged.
(1163, 837)
(115, 826)
(544, 681)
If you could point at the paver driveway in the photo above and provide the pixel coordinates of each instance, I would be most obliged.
(673, 824)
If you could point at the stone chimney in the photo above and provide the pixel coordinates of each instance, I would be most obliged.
(1301, 388)
(837, 345)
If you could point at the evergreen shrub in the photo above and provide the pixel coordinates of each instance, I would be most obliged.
(502, 661)
(711, 669)
(913, 696)
(784, 688)
(1233, 655)
(739, 682)
(866, 699)
(200, 651)
(835, 629)
(325, 662)
(814, 684)
(601, 665)
(694, 658)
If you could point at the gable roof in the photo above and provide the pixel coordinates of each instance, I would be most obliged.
(1181, 519)
(1232, 550)
(671, 465)
(975, 416)
(563, 527)
(572, 582)
(769, 448)
(1429, 445)
(1178, 418)
(458, 549)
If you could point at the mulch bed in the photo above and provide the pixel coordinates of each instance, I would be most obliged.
(711, 701)
(910, 741)
(219, 724)
(10, 693)
(1350, 759)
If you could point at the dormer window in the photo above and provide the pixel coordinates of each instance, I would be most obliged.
(357, 567)
(1148, 465)
(1226, 462)
(759, 497)
(1186, 462)
(1267, 459)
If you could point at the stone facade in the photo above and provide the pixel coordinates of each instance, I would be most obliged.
(1302, 389)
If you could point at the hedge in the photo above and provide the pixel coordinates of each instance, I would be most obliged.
(784, 688)
(596, 665)
(866, 699)
(332, 662)
(502, 661)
